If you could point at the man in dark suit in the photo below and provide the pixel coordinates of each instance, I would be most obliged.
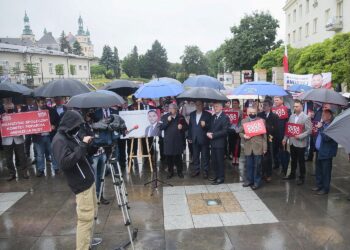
(198, 127)
(217, 133)
(271, 122)
(326, 149)
(153, 128)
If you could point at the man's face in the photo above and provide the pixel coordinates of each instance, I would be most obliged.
(298, 108)
(278, 101)
(326, 117)
(40, 103)
(227, 104)
(172, 110)
(152, 117)
(251, 111)
(317, 81)
(199, 106)
(326, 106)
(58, 100)
(217, 107)
(266, 107)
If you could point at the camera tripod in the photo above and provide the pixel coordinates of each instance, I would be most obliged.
(155, 180)
(121, 195)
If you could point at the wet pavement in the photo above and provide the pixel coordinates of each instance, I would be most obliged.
(43, 217)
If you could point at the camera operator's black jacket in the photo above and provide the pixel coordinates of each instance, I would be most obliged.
(71, 154)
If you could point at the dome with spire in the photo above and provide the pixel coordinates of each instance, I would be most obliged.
(26, 30)
(26, 18)
(87, 32)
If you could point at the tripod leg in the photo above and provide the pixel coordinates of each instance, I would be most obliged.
(102, 183)
(115, 184)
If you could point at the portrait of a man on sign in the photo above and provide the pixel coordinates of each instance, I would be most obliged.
(153, 127)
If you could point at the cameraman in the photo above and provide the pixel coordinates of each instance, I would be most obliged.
(70, 152)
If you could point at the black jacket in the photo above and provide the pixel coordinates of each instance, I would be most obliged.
(173, 137)
(196, 132)
(219, 128)
(70, 153)
(271, 123)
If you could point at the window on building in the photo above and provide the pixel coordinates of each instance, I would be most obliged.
(51, 68)
(80, 67)
(38, 68)
(315, 25)
(294, 36)
(18, 65)
(288, 38)
(327, 16)
(339, 9)
(300, 11)
(300, 32)
(294, 16)
(306, 29)
(85, 67)
(307, 7)
(288, 19)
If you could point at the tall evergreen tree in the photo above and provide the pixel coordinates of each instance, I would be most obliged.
(194, 61)
(154, 62)
(131, 65)
(116, 63)
(107, 58)
(77, 50)
(64, 44)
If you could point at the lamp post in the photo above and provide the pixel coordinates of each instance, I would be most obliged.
(41, 68)
(66, 52)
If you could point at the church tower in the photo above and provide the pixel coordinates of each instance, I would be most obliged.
(27, 32)
(83, 37)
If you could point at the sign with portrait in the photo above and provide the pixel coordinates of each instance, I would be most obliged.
(26, 123)
(316, 81)
(141, 123)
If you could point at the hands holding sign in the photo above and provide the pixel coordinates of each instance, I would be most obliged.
(294, 129)
(254, 128)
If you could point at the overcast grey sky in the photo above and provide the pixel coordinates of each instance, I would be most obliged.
(175, 23)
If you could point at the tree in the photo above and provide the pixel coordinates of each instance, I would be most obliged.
(255, 36)
(64, 44)
(59, 68)
(77, 50)
(107, 59)
(97, 71)
(131, 65)
(154, 62)
(31, 70)
(175, 69)
(116, 63)
(215, 60)
(194, 61)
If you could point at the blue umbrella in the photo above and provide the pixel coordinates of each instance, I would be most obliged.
(299, 88)
(160, 87)
(203, 81)
(260, 88)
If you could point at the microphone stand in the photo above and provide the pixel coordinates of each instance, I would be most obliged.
(155, 180)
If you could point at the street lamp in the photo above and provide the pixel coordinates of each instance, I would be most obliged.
(41, 68)
(66, 52)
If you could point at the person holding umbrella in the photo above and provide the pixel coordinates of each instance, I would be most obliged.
(217, 134)
(326, 149)
(174, 126)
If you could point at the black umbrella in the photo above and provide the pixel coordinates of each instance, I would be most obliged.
(202, 94)
(122, 87)
(8, 89)
(324, 96)
(95, 99)
(61, 87)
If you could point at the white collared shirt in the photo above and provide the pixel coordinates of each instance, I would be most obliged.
(198, 117)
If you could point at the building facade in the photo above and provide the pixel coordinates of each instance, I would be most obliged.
(21, 64)
(312, 21)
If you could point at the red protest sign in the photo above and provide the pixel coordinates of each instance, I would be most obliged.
(293, 129)
(282, 112)
(314, 128)
(34, 122)
(232, 115)
(254, 128)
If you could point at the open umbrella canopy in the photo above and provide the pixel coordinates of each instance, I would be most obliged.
(8, 89)
(299, 88)
(160, 87)
(324, 96)
(122, 87)
(259, 88)
(204, 81)
(338, 130)
(95, 99)
(61, 87)
(203, 94)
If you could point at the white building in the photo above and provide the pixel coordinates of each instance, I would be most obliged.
(312, 21)
(14, 61)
